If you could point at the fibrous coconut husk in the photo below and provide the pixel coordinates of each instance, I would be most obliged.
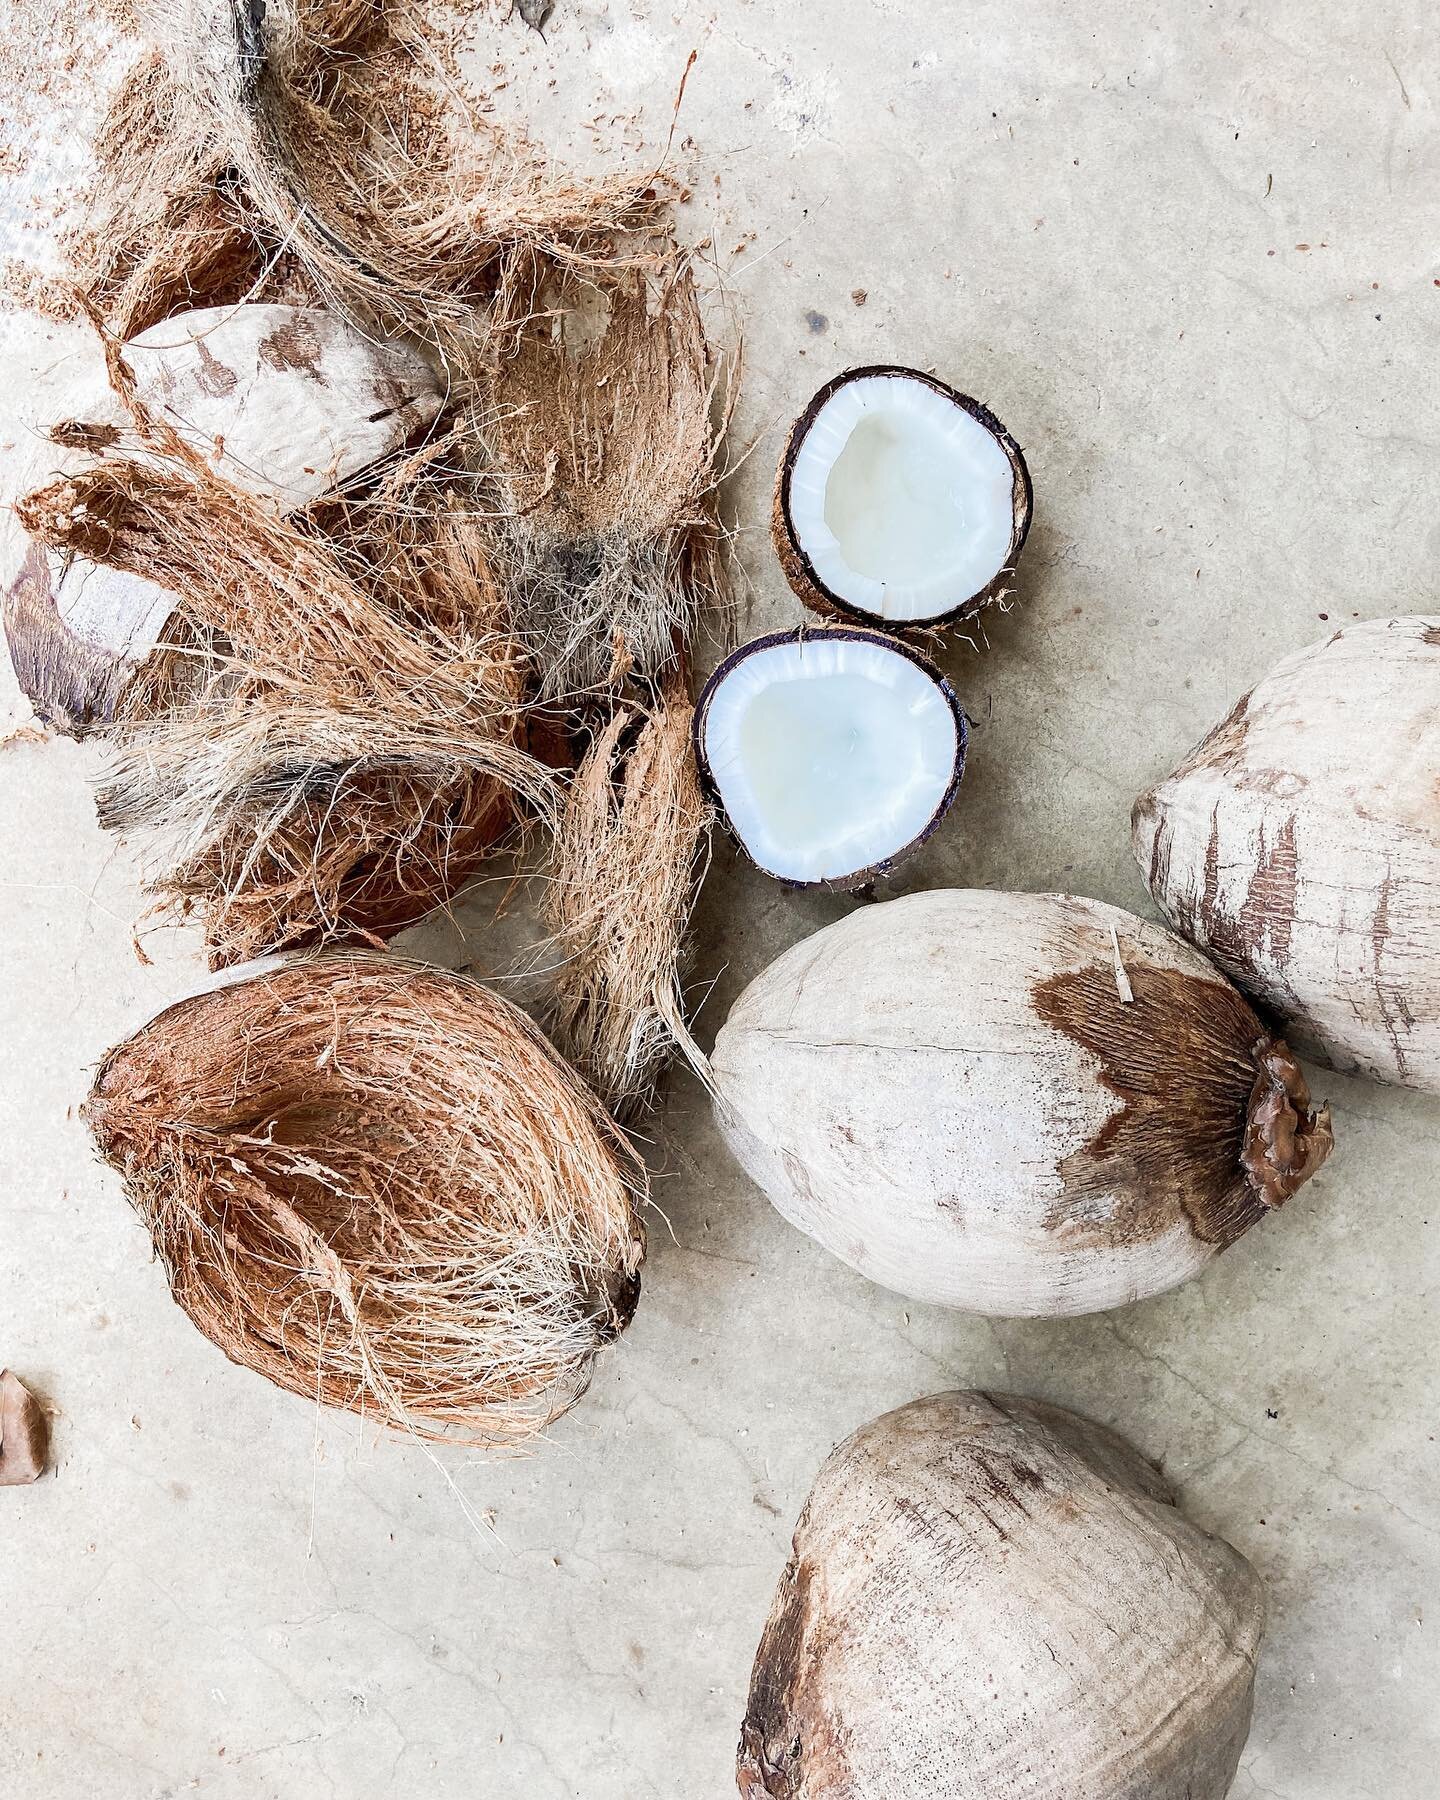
(341, 752)
(605, 457)
(312, 136)
(625, 870)
(375, 1184)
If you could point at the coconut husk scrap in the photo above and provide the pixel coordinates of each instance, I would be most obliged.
(626, 867)
(375, 1184)
(24, 1433)
(320, 136)
(347, 744)
(605, 452)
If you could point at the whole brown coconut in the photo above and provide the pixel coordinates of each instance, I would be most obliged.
(899, 502)
(992, 1598)
(375, 1183)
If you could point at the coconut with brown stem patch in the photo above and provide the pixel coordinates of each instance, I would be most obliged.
(992, 1598)
(900, 503)
(1016, 1104)
(375, 1183)
(834, 754)
(1299, 846)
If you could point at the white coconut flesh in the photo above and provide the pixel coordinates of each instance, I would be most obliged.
(902, 501)
(830, 754)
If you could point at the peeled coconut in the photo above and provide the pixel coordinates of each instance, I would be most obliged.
(1018, 1104)
(287, 401)
(834, 754)
(990, 1597)
(899, 501)
(1299, 846)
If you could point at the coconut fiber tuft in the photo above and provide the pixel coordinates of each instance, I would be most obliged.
(375, 1184)
(627, 862)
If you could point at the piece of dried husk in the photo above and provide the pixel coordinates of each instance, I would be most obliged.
(314, 136)
(625, 870)
(375, 1184)
(345, 746)
(24, 1433)
(599, 421)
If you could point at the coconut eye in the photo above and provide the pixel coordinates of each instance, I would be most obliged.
(899, 501)
(833, 753)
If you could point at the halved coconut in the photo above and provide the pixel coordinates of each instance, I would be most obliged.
(899, 502)
(832, 753)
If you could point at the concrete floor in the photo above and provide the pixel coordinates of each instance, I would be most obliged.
(1191, 262)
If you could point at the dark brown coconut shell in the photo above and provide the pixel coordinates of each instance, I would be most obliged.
(873, 872)
(800, 571)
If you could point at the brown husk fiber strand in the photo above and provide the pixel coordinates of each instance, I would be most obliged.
(343, 754)
(322, 132)
(627, 863)
(605, 456)
(375, 1184)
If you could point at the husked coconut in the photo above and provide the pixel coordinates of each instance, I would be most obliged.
(292, 400)
(899, 501)
(833, 753)
(1299, 846)
(1018, 1104)
(992, 1598)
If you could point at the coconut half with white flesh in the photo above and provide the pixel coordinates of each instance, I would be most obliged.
(899, 502)
(833, 754)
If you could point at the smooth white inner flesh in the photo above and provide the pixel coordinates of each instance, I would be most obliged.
(902, 501)
(829, 755)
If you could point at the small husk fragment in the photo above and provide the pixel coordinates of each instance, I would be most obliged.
(991, 1598)
(949, 1093)
(375, 1183)
(1299, 846)
(308, 147)
(24, 1433)
(900, 503)
(599, 424)
(626, 865)
(834, 754)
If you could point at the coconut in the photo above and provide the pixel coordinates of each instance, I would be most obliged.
(899, 502)
(1017, 1104)
(24, 1433)
(375, 1183)
(992, 1597)
(1299, 846)
(834, 754)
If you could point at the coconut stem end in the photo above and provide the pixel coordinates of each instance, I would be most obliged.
(1285, 1141)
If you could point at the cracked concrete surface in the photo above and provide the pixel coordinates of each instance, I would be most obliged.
(1189, 257)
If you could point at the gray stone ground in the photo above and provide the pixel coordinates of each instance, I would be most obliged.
(1189, 255)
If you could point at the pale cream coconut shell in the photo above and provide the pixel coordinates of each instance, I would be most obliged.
(951, 1093)
(1299, 846)
(992, 1598)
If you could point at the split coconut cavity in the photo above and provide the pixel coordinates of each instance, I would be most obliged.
(831, 752)
(902, 501)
